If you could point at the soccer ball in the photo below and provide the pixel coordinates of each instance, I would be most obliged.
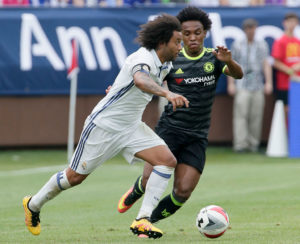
(212, 221)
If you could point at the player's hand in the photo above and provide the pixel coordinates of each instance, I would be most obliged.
(107, 89)
(223, 54)
(177, 100)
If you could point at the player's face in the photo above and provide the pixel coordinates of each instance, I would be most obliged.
(173, 47)
(193, 35)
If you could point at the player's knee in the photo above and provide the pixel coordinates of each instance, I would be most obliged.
(75, 178)
(183, 191)
(170, 160)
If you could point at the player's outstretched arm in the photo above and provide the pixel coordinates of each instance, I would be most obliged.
(144, 82)
(233, 68)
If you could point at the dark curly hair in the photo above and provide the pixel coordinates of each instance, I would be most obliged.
(160, 30)
(194, 13)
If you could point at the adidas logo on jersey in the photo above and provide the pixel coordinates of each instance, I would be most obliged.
(179, 71)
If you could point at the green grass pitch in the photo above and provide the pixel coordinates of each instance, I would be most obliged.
(260, 194)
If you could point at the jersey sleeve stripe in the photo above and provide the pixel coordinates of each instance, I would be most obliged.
(223, 70)
(142, 68)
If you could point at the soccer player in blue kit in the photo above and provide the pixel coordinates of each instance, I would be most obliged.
(194, 75)
(104, 134)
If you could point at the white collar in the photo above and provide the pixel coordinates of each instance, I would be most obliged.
(158, 62)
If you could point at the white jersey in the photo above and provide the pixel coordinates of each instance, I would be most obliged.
(122, 108)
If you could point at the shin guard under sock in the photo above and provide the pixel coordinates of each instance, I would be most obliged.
(166, 207)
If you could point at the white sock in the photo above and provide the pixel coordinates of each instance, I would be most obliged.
(156, 186)
(57, 183)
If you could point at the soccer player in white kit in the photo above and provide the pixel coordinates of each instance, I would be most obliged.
(115, 125)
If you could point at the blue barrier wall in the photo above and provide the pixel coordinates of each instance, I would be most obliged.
(35, 47)
(294, 120)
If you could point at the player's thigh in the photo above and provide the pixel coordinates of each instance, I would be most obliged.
(95, 147)
(172, 138)
(158, 155)
(145, 144)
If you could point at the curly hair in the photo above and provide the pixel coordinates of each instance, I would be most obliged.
(160, 30)
(194, 13)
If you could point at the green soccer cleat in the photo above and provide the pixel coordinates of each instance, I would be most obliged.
(143, 227)
(32, 219)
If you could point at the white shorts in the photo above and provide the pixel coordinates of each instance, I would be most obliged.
(97, 145)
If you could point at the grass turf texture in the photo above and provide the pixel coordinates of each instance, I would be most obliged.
(260, 194)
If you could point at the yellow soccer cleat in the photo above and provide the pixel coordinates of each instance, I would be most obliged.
(32, 219)
(145, 227)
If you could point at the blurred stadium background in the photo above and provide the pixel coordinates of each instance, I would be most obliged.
(35, 44)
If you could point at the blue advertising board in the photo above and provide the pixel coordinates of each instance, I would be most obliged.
(35, 43)
(294, 119)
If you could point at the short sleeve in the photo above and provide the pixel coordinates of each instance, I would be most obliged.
(141, 68)
(277, 50)
(220, 66)
(142, 59)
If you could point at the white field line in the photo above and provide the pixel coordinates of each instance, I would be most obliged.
(57, 168)
(248, 190)
(32, 170)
